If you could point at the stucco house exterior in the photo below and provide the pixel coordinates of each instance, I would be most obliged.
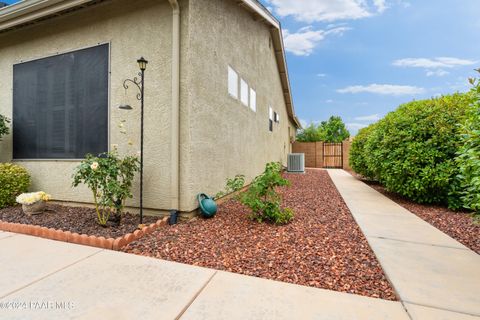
(217, 94)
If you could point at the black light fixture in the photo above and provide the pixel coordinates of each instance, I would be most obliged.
(142, 64)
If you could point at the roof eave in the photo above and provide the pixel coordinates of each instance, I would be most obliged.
(27, 11)
(30, 10)
(277, 37)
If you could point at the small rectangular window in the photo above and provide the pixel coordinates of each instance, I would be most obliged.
(244, 92)
(232, 82)
(270, 118)
(253, 100)
(276, 117)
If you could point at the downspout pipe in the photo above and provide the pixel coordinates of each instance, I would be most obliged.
(175, 112)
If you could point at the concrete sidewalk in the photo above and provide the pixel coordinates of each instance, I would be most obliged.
(45, 279)
(435, 276)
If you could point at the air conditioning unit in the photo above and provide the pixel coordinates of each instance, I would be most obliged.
(296, 162)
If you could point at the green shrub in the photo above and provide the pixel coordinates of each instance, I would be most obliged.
(110, 178)
(468, 159)
(14, 180)
(262, 198)
(412, 150)
(358, 156)
(4, 130)
(233, 185)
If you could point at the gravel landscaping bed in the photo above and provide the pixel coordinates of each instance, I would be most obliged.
(322, 247)
(81, 220)
(458, 225)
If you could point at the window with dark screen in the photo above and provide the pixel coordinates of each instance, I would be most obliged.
(60, 105)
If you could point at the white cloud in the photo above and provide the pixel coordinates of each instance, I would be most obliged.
(381, 5)
(384, 89)
(329, 101)
(372, 117)
(355, 126)
(304, 123)
(435, 63)
(304, 41)
(327, 10)
(435, 66)
(437, 73)
(321, 75)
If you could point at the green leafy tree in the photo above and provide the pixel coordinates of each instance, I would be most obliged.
(110, 178)
(4, 129)
(262, 198)
(309, 134)
(333, 130)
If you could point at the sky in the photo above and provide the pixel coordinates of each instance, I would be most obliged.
(360, 59)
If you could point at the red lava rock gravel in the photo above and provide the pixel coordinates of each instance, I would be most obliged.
(81, 220)
(323, 247)
(458, 225)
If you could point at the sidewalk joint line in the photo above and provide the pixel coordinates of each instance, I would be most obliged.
(443, 309)
(406, 309)
(420, 243)
(195, 296)
(50, 274)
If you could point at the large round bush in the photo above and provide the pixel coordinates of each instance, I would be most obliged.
(412, 150)
(469, 155)
(14, 180)
(358, 156)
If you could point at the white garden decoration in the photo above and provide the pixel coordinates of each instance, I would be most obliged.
(33, 202)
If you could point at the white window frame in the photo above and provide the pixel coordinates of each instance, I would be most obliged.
(253, 100)
(232, 82)
(244, 92)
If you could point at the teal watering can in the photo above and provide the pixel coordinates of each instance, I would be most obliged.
(208, 207)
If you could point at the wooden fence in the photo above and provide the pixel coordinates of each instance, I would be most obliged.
(324, 155)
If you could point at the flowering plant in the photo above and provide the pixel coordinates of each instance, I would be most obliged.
(33, 197)
(110, 179)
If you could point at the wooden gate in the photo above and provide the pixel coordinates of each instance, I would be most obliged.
(333, 155)
(323, 155)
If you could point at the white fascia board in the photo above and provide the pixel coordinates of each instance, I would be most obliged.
(28, 10)
(252, 4)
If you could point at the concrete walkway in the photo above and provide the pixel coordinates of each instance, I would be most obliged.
(45, 279)
(435, 276)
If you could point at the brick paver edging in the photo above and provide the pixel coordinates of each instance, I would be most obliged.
(67, 236)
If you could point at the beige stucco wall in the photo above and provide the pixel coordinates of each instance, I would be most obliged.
(226, 137)
(219, 136)
(133, 29)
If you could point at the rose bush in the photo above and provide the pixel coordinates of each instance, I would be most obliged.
(110, 178)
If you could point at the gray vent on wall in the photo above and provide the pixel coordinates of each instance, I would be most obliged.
(296, 162)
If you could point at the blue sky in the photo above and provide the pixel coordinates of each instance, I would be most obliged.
(360, 59)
